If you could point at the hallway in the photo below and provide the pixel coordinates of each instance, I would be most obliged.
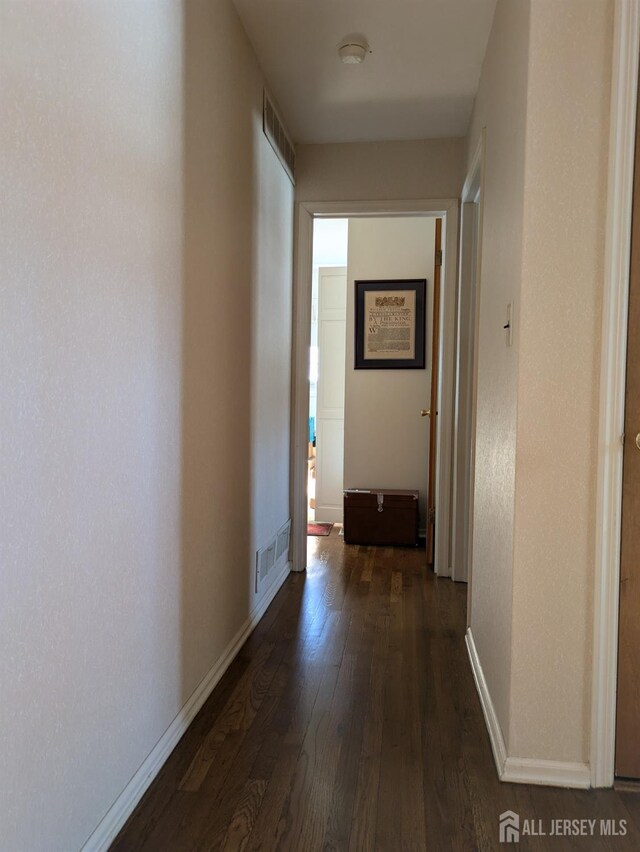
(350, 721)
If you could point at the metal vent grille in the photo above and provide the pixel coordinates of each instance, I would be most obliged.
(282, 540)
(277, 136)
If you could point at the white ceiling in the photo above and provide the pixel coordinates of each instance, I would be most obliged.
(419, 81)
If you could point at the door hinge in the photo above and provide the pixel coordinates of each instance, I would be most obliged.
(439, 257)
(431, 515)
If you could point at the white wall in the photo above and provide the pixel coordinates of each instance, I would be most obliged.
(386, 440)
(377, 171)
(559, 368)
(330, 242)
(271, 352)
(544, 100)
(145, 248)
(501, 107)
(330, 238)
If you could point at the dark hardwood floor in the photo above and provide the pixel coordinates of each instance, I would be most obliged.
(350, 721)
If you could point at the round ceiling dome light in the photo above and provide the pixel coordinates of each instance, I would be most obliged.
(352, 51)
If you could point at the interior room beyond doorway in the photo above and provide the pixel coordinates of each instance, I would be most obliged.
(365, 428)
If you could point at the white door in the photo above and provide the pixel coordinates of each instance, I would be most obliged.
(332, 316)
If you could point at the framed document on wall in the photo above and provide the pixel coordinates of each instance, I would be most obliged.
(390, 324)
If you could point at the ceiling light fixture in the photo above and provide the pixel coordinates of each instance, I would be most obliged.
(353, 50)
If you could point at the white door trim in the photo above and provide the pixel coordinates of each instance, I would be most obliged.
(626, 45)
(469, 275)
(305, 213)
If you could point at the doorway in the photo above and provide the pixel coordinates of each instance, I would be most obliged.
(627, 752)
(327, 371)
(626, 41)
(365, 427)
(303, 304)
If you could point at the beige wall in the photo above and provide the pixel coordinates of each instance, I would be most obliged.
(500, 107)
(559, 329)
(363, 171)
(385, 439)
(146, 223)
(543, 100)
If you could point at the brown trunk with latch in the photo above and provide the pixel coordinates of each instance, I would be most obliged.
(381, 516)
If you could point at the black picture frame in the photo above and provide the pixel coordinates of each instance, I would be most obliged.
(398, 286)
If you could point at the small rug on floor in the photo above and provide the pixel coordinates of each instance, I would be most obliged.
(318, 529)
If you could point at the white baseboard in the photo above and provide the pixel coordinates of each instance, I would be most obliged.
(491, 719)
(126, 802)
(521, 770)
(550, 773)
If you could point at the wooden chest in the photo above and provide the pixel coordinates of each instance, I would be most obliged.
(381, 516)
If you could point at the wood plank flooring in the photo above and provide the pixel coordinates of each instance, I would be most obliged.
(350, 721)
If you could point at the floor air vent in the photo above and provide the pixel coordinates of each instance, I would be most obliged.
(265, 560)
(278, 137)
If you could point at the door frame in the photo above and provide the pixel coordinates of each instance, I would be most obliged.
(306, 212)
(624, 84)
(470, 266)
